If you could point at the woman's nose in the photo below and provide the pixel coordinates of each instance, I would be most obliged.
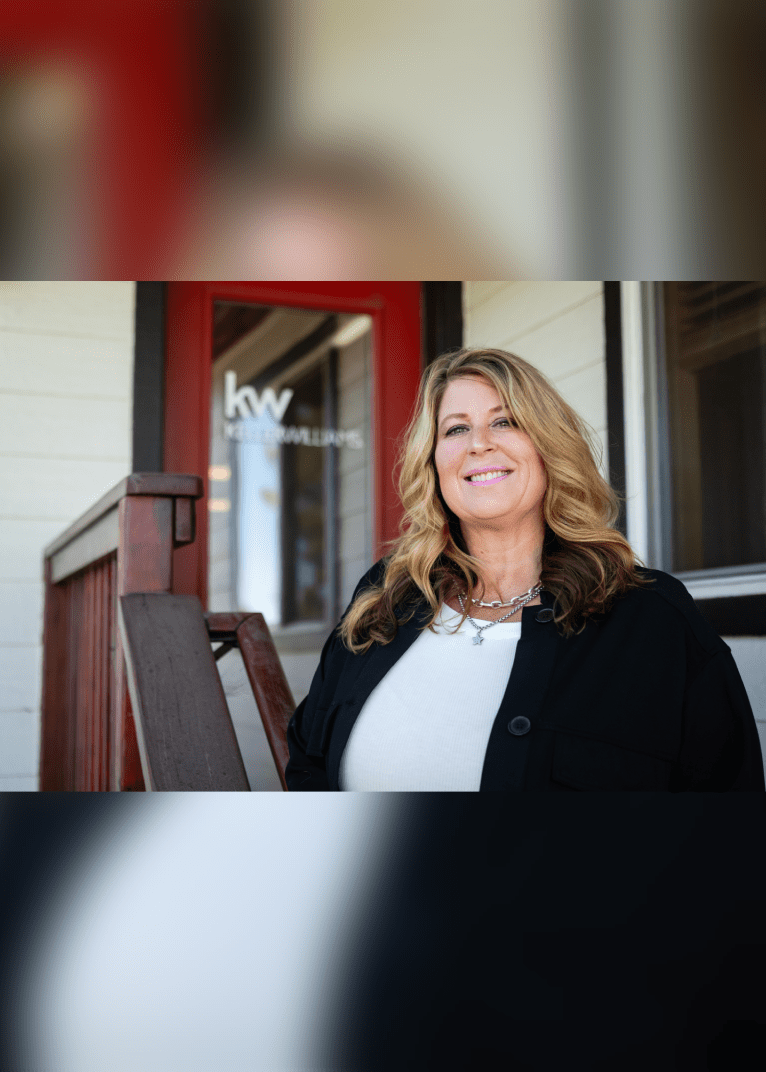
(480, 441)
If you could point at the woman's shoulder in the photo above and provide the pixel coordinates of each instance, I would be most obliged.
(374, 574)
(665, 595)
(372, 578)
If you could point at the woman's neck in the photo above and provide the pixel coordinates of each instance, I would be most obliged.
(511, 561)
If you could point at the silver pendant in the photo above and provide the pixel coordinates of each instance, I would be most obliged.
(477, 639)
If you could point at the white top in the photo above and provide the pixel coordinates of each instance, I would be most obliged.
(426, 725)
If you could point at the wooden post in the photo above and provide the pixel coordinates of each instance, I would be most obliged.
(124, 543)
(145, 565)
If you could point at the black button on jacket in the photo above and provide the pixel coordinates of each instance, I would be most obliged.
(647, 697)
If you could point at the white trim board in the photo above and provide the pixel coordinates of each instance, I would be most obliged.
(746, 584)
(636, 475)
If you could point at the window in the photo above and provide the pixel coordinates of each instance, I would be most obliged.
(694, 410)
(713, 377)
(694, 420)
(290, 521)
(272, 500)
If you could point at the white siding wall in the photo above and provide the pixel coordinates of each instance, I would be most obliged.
(557, 326)
(66, 370)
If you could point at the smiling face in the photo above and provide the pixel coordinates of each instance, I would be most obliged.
(489, 471)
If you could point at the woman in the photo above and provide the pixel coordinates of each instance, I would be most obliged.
(510, 640)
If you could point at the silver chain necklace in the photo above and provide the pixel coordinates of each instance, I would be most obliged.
(496, 604)
(480, 628)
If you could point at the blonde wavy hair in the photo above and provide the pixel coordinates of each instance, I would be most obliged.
(586, 562)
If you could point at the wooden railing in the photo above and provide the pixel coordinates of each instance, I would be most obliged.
(123, 544)
(132, 698)
(186, 739)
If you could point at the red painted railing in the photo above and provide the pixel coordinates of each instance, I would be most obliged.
(123, 544)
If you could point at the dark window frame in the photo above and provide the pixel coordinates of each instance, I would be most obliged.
(615, 391)
(149, 378)
(442, 318)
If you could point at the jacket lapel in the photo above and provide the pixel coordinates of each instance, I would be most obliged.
(540, 642)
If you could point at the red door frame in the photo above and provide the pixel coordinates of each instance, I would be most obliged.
(395, 309)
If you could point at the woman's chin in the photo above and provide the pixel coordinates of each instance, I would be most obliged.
(493, 517)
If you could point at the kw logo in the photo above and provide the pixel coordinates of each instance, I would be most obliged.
(244, 401)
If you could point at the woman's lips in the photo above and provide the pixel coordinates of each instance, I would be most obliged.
(484, 482)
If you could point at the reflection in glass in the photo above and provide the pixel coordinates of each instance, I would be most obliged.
(303, 516)
(288, 503)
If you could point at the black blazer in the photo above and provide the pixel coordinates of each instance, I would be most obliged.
(647, 697)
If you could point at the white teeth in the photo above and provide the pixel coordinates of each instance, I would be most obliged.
(482, 477)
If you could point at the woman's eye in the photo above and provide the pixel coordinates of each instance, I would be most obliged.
(502, 422)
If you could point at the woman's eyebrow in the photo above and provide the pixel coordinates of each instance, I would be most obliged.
(464, 416)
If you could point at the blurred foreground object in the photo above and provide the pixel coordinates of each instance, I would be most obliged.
(46, 112)
(320, 213)
(180, 933)
(371, 932)
(430, 138)
(102, 112)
